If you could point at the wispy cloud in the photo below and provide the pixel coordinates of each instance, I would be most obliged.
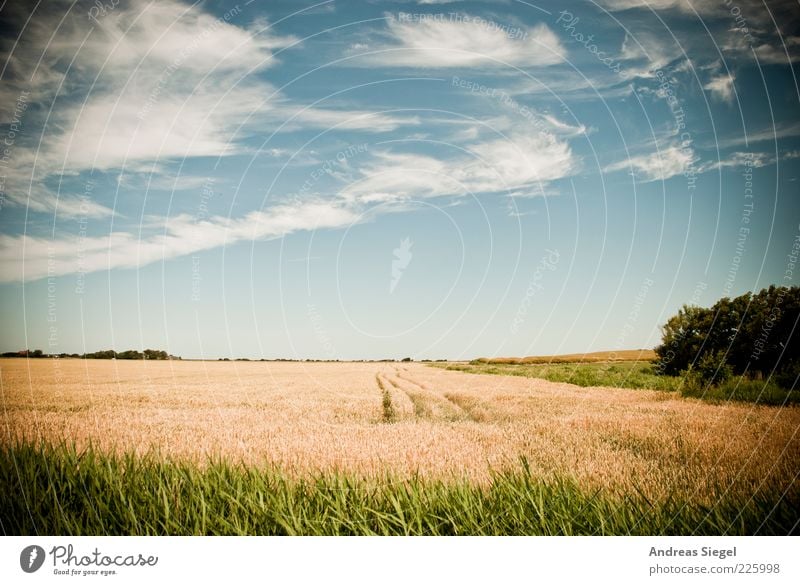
(150, 83)
(644, 53)
(31, 258)
(770, 133)
(721, 87)
(519, 161)
(657, 166)
(752, 159)
(672, 161)
(704, 7)
(466, 41)
(785, 51)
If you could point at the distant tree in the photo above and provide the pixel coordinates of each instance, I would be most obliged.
(753, 333)
(683, 336)
(406, 359)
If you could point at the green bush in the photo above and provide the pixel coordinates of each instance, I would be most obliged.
(739, 389)
(788, 376)
(712, 368)
(756, 332)
(691, 384)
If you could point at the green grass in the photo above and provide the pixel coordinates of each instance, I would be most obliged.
(386, 402)
(48, 489)
(632, 374)
(638, 374)
(742, 390)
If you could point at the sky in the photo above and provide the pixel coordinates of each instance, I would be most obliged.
(368, 180)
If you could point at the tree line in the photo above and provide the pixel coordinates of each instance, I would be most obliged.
(106, 354)
(753, 335)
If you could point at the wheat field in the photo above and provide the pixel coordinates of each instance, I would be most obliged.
(369, 419)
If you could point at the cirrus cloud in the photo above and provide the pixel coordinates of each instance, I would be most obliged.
(461, 41)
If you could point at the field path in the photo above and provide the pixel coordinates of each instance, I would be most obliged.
(428, 403)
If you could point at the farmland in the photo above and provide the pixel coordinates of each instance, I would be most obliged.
(332, 448)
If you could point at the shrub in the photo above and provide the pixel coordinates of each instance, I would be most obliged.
(739, 389)
(788, 376)
(692, 384)
(712, 368)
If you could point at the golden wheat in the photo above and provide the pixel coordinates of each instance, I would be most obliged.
(309, 417)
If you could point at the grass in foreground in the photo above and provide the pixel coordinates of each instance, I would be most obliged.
(56, 490)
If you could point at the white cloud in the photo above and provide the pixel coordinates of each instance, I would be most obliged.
(152, 82)
(740, 159)
(772, 133)
(784, 51)
(521, 160)
(721, 87)
(752, 159)
(32, 258)
(657, 166)
(343, 119)
(468, 42)
(526, 159)
(651, 51)
(672, 161)
(705, 7)
(40, 198)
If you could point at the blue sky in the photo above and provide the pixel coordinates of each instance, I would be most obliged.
(389, 179)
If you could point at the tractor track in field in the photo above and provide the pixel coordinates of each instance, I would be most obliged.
(427, 402)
